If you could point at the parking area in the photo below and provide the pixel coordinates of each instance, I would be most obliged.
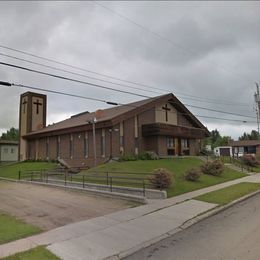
(48, 207)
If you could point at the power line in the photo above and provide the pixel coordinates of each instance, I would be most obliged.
(74, 73)
(118, 84)
(218, 111)
(70, 79)
(108, 76)
(157, 35)
(99, 86)
(7, 84)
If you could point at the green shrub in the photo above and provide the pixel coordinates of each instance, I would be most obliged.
(127, 157)
(214, 168)
(250, 160)
(149, 155)
(161, 179)
(192, 174)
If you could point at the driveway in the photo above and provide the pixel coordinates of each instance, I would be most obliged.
(48, 207)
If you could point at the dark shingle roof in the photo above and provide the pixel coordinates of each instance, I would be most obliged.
(245, 143)
(9, 142)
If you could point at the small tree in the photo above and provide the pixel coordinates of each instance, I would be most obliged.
(161, 179)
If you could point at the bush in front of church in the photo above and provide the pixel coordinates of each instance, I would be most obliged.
(215, 168)
(192, 174)
(161, 179)
(148, 155)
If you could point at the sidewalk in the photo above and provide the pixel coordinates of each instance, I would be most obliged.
(122, 232)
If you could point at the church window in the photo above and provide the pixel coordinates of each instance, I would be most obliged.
(71, 146)
(170, 142)
(86, 145)
(58, 147)
(103, 143)
(47, 148)
(184, 143)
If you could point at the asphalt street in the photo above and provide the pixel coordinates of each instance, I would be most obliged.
(231, 234)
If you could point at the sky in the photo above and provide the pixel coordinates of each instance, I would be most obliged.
(206, 53)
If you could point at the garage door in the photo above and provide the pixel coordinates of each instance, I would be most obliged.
(224, 151)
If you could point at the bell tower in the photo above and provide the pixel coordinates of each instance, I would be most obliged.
(32, 118)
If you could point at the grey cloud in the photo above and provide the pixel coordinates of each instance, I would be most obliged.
(221, 59)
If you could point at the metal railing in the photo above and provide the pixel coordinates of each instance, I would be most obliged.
(111, 180)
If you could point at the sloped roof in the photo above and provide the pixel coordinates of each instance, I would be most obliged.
(245, 143)
(112, 113)
(8, 142)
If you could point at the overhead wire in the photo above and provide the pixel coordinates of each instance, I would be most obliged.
(116, 78)
(99, 86)
(112, 102)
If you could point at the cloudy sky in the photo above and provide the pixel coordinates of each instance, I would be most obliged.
(206, 53)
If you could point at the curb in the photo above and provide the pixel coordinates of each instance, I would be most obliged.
(182, 227)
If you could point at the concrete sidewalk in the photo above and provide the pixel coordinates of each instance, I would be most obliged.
(123, 232)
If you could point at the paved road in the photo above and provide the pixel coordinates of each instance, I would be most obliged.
(231, 234)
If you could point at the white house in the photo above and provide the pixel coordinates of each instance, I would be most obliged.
(8, 151)
(223, 151)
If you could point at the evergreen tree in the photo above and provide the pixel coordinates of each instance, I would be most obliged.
(11, 135)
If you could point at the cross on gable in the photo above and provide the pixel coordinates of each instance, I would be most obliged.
(37, 103)
(166, 108)
(24, 105)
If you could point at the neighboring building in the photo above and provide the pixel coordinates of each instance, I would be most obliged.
(239, 148)
(161, 124)
(8, 151)
(223, 151)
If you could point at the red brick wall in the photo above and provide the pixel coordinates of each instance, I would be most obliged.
(129, 134)
(53, 148)
(116, 141)
(65, 146)
(78, 145)
(42, 149)
(146, 117)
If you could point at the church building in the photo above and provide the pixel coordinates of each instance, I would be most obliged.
(161, 124)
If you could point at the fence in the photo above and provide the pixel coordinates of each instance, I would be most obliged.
(111, 180)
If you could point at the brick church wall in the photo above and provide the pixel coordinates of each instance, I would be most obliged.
(146, 117)
(65, 146)
(78, 145)
(53, 148)
(129, 134)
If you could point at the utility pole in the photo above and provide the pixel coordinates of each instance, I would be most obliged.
(257, 107)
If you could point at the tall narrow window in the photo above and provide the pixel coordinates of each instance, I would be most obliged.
(71, 146)
(58, 147)
(121, 140)
(86, 145)
(47, 148)
(103, 142)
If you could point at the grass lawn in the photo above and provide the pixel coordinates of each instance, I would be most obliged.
(39, 253)
(13, 229)
(178, 167)
(11, 171)
(226, 195)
